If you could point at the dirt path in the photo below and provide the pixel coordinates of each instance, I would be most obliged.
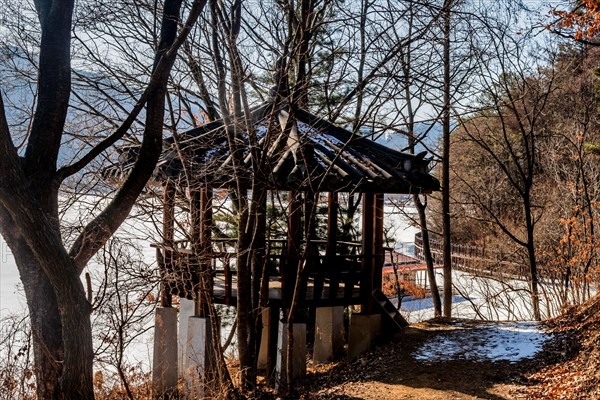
(393, 370)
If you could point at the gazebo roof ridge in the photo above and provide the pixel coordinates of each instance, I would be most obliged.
(312, 151)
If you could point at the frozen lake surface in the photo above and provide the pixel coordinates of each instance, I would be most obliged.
(11, 290)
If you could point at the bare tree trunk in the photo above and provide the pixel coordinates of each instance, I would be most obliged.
(76, 379)
(244, 300)
(361, 65)
(446, 167)
(533, 274)
(435, 293)
(44, 318)
(46, 262)
(258, 257)
(406, 60)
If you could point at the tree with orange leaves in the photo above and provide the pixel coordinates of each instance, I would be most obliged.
(584, 18)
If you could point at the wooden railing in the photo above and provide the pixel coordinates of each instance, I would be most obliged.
(473, 259)
(180, 266)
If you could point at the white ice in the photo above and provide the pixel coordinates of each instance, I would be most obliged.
(508, 341)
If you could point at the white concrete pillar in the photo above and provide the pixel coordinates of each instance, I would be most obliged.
(263, 353)
(197, 361)
(164, 360)
(329, 334)
(363, 329)
(298, 352)
(186, 310)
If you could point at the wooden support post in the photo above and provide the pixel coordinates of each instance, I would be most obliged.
(195, 217)
(368, 235)
(290, 269)
(294, 218)
(168, 233)
(259, 252)
(330, 253)
(312, 262)
(203, 251)
(168, 237)
(378, 259)
(194, 234)
(310, 217)
(332, 217)
(207, 216)
(260, 276)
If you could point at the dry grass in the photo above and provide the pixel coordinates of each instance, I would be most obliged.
(575, 374)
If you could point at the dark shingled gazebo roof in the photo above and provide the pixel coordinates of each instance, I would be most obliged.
(313, 155)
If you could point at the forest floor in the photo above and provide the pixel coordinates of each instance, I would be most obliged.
(461, 359)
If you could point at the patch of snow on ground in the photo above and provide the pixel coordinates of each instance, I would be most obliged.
(509, 341)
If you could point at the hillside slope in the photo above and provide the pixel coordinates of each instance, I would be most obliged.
(575, 374)
(466, 360)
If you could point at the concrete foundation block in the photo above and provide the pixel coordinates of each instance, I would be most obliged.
(164, 360)
(363, 329)
(197, 362)
(298, 352)
(186, 310)
(329, 334)
(263, 354)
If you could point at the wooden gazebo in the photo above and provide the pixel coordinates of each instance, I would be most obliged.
(310, 155)
(308, 159)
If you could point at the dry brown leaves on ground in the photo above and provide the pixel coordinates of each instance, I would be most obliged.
(567, 368)
(576, 375)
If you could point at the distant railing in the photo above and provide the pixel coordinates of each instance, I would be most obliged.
(473, 259)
